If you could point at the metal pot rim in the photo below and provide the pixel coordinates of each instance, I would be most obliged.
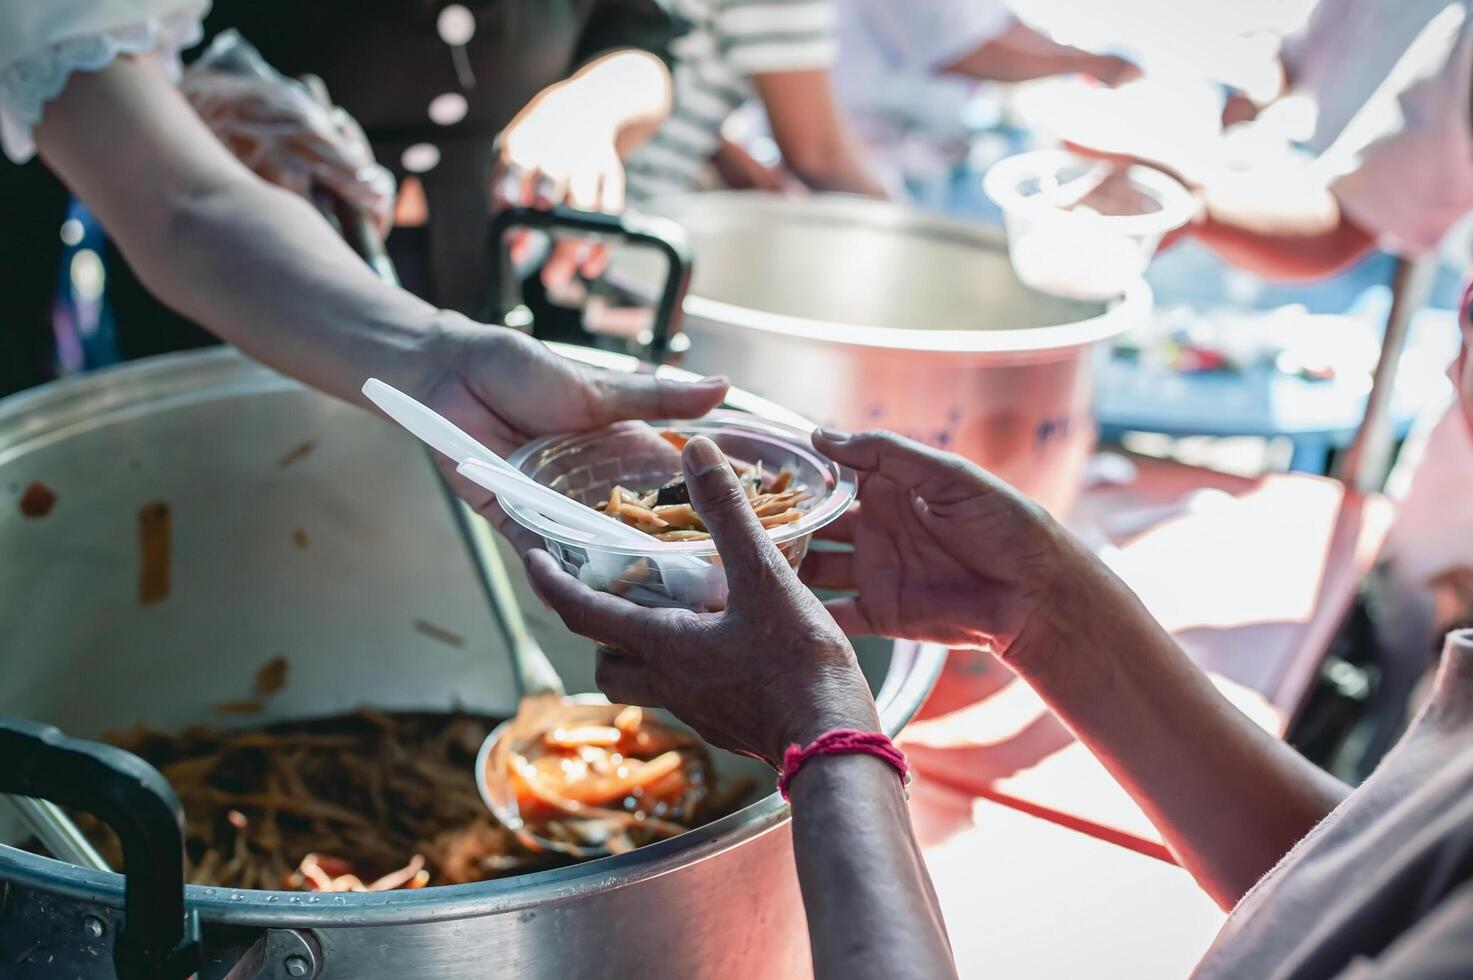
(838, 208)
(51, 411)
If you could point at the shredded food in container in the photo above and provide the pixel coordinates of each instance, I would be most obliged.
(665, 512)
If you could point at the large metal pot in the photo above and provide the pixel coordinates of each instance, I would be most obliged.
(304, 527)
(863, 314)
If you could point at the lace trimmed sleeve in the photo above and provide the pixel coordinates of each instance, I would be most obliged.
(28, 84)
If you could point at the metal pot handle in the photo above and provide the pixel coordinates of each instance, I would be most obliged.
(158, 940)
(663, 235)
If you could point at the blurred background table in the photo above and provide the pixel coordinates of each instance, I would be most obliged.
(1315, 417)
(1023, 897)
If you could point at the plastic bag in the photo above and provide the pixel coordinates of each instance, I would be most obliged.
(277, 127)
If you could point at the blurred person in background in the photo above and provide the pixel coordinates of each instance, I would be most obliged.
(540, 98)
(475, 106)
(908, 70)
(1371, 143)
(88, 87)
(780, 52)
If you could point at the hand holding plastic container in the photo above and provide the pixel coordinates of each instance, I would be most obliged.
(553, 486)
(1080, 228)
(587, 466)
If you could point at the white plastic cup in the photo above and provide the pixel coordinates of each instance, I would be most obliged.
(1068, 249)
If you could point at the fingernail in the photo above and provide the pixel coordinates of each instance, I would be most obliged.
(833, 435)
(715, 381)
(702, 456)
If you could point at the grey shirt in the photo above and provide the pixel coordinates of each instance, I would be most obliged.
(1383, 886)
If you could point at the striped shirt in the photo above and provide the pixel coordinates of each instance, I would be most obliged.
(729, 41)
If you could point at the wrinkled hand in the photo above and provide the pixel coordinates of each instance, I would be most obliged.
(277, 129)
(771, 670)
(560, 152)
(504, 388)
(942, 550)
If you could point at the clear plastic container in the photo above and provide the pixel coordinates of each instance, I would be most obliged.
(1072, 234)
(586, 466)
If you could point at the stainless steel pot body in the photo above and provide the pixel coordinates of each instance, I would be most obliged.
(862, 314)
(306, 528)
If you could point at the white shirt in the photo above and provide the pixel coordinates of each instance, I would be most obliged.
(1345, 52)
(43, 41)
(1406, 157)
(729, 41)
(891, 55)
(1434, 522)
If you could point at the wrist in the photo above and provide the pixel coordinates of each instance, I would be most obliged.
(425, 357)
(1091, 620)
(1069, 583)
(821, 772)
(826, 711)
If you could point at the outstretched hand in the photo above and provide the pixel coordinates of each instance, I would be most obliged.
(943, 551)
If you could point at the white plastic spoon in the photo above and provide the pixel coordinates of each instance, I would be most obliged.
(447, 438)
(551, 504)
(699, 579)
(441, 434)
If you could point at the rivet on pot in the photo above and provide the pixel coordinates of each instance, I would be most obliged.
(297, 966)
(93, 926)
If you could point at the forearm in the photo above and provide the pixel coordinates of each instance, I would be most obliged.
(262, 270)
(1020, 54)
(812, 133)
(871, 909)
(1228, 798)
(255, 264)
(1285, 257)
(1278, 218)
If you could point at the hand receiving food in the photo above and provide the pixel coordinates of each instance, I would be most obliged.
(943, 551)
(771, 670)
(505, 388)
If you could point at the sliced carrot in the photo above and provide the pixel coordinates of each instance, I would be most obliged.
(680, 517)
(786, 517)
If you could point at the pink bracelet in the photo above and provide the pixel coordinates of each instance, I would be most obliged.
(843, 741)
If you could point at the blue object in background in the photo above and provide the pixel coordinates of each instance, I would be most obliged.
(81, 321)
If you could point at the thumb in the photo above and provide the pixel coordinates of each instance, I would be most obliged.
(618, 395)
(747, 552)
